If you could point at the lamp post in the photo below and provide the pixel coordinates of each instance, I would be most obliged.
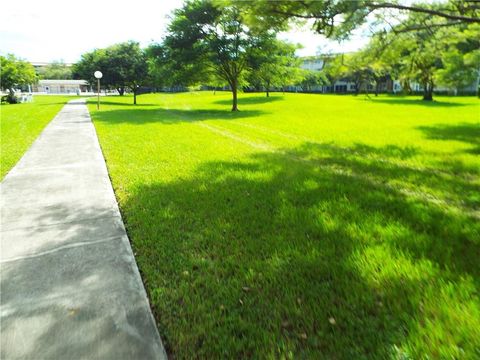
(98, 75)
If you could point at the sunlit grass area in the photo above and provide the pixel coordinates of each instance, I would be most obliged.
(20, 124)
(304, 226)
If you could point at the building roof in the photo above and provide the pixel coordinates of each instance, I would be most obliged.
(324, 56)
(62, 82)
(43, 63)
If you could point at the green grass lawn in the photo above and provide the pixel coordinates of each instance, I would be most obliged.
(20, 124)
(304, 226)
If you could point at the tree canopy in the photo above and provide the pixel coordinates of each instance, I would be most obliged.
(123, 65)
(15, 73)
(206, 42)
(57, 70)
(337, 19)
(430, 57)
(273, 63)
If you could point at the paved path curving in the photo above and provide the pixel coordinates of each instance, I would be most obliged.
(70, 287)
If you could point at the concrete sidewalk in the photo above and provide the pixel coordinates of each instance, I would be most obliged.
(70, 287)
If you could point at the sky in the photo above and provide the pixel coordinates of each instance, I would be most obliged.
(54, 30)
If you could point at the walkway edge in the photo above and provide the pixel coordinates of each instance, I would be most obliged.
(128, 245)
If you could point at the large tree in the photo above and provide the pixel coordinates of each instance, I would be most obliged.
(204, 42)
(88, 64)
(15, 72)
(123, 65)
(128, 66)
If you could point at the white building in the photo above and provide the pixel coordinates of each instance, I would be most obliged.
(312, 63)
(61, 86)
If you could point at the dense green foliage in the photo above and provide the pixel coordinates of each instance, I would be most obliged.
(205, 42)
(339, 18)
(15, 73)
(212, 45)
(430, 57)
(21, 124)
(304, 226)
(427, 43)
(123, 65)
(273, 63)
(55, 70)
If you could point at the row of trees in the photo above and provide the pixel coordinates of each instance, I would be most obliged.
(205, 44)
(233, 43)
(427, 43)
(56, 70)
(448, 56)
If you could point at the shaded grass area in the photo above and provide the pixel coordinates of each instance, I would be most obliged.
(438, 102)
(467, 133)
(170, 116)
(22, 123)
(251, 100)
(306, 227)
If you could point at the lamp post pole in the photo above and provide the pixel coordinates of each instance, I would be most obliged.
(98, 94)
(98, 75)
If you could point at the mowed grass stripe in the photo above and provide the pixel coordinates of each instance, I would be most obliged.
(223, 132)
(413, 191)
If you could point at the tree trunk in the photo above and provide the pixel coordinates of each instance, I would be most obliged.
(367, 95)
(234, 94)
(134, 96)
(377, 86)
(121, 91)
(268, 93)
(478, 84)
(428, 92)
(268, 89)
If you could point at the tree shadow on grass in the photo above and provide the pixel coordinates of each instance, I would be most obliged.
(169, 116)
(454, 182)
(389, 151)
(438, 103)
(468, 133)
(252, 100)
(302, 252)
